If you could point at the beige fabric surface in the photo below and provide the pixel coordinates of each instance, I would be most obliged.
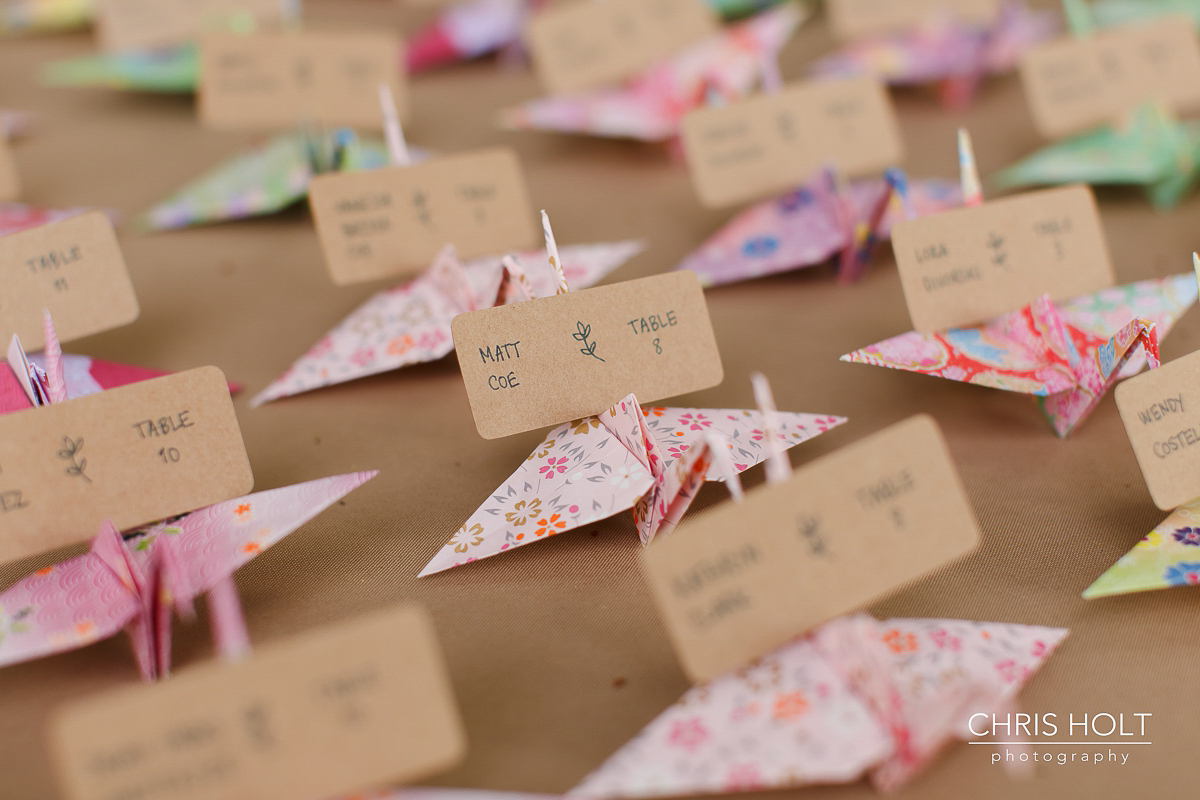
(556, 652)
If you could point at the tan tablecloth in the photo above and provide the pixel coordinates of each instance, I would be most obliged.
(556, 651)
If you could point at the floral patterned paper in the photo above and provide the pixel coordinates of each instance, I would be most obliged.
(16, 217)
(803, 228)
(264, 181)
(1150, 149)
(116, 585)
(410, 324)
(651, 106)
(946, 50)
(856, 697)
(172, 70)
(596, 467)
(1067, 356)
(1168, 556)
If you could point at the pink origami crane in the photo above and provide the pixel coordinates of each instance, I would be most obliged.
(812, 224)
(855, 697)
(949, 52)
(1068, 356)
(651, 460)
(16, 217)
(469, 30)
(410, 324)
(132, 582)
(651, 105)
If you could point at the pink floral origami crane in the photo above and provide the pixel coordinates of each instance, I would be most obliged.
(410, 324)
(132, 582)
(651, 460)
(855, 697)
(812, 224)
(1068, 355)
(651, 105)
(953, 54)
(16, 217)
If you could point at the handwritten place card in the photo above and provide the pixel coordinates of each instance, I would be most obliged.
(350, 707)
(280, 80)
(773, 142)
(852, 19)
(1078, 83)
(965, 266)
(1161, 412)
(147, 24)
(10, 181)
(580, 46)
(548, 361)
(395, 220)
(133, 455)
(73, 268)
(736, 582)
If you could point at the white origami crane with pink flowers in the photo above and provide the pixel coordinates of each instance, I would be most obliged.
(854, 697)
(652, 460)
(650, 106)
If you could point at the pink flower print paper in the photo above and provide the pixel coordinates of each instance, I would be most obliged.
(410, 324)
(599, 466)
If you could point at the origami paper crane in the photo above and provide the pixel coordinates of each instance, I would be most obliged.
(1168, 556)
(44, 16)
(946, 51)
(170, 70)
(266, 180)
(812, 224)
(478, 27)
(651, 105)
(1151, 148)
(651, 460)
(19, 217)
(410, 324)
(132, 582)
(855, 697)
(1067, 356)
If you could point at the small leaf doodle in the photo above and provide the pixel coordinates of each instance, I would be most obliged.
(581, 335)
(69, 452)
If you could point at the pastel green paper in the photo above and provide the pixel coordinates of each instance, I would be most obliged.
(1108, 13)
(1168, 556)
(172, 70)
(1152, 149)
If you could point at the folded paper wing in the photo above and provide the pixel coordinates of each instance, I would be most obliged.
(410, 324)
(172, 70)
(1168, 556)
(465, 31)
(946, 50)
(803, 228)
(1068, 356)
(651, 106)
(264, 181)
(599, 466)
(1150, 149)
(132, 582)
(856, 697)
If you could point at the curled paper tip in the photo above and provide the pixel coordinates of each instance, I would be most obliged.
(779, 468)
(393, 130)
(560, 276)
(972, 190)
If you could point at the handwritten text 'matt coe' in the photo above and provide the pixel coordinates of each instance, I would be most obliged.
(497, 355)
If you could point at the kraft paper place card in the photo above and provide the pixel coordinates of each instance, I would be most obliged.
(556, 359)
(738, 581)
(149, 24)
(1075, 84)
(280, 80)
(1161, 412)
(773, 142)
(852, 19)
(968, 265)
(395, 220)
(133, 455)
(347, 708)
(74, 269)
(10, 181)
(580, 46)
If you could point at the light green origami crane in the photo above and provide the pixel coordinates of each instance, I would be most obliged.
(1168, 556)
(171, 70)
(1149, 147)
